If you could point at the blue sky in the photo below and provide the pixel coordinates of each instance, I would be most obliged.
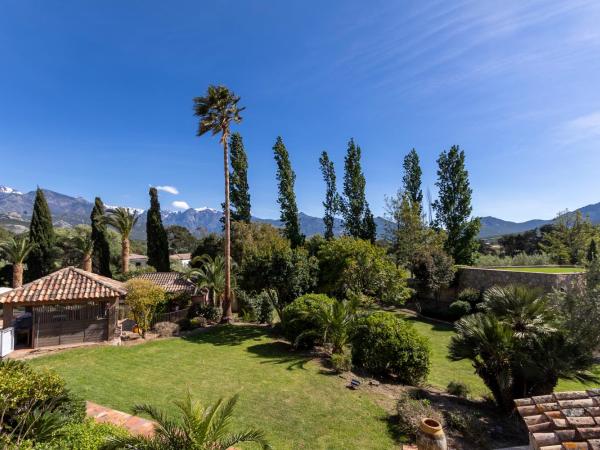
(96, 96)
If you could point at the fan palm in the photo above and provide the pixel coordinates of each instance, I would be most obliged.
(210, 275)
(216, 110)
(123, 220)
(522, 308)
(198, 428)
(16, 250)
(84, 244)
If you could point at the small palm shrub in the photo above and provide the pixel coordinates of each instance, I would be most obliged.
(470, 295)
(459, 309)
(342, 361)
(385, 344)
(298, 319)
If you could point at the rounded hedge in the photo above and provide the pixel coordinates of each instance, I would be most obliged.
(297, 319)
(459, 309)
(385, 344)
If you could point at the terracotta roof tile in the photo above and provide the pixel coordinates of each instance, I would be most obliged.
(563, 420)
(172, 282)
(65, 285)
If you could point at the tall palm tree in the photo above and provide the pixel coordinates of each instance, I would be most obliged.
(84, 244)
(210, 275)
(198, 428)
(16, 250)
(123, 220)
(216, 110)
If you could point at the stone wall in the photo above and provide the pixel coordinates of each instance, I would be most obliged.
(482, 279)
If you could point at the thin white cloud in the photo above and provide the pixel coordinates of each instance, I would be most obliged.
(581, 128)
(180, 204)
(170, 189)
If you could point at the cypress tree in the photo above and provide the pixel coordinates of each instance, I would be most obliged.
(287, 197)
(411, 180)
(453, 207)
(592, 252)
(156, 236)
(41, 259)
(101, 251)
(239, 190)
(369, 232)
(358, 220)
(331, 202)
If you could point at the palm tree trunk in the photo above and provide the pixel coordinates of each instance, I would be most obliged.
(125, 254)
(227, 313)
(17, 275)
(87, 262)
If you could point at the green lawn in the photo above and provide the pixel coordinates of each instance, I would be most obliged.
(284, 393)
(540, 269)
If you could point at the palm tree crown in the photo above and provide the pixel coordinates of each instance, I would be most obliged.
(16, 249)
(210, 275)
(123, 220)
(217, 110)
(199, 428)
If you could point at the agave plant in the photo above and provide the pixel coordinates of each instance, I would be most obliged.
(197, 428)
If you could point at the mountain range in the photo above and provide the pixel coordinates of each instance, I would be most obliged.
(67, 211)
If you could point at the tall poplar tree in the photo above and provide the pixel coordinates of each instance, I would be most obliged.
(358, 219)
(156, 236)
(101, 251)
(239, 190)
(42, 256)
(331, 203)
(453, 206)
(287, 197)
(411, 181)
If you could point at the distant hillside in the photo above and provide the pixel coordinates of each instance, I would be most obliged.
(16, 208)
(492, 226)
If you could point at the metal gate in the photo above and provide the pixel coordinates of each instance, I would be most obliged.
(7, 341)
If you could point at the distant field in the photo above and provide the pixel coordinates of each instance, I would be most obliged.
(542, 269)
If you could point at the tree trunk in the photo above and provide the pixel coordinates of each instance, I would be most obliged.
(17, 275)
(87, 262)
(125, 255)
(227, 313)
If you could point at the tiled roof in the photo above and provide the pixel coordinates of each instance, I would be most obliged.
(181, 256)
(65, 285)
(563, 420)
(172, 282)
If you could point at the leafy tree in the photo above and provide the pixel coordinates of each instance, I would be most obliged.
(156, 236)
(433, 269)
(411, 181)
(567, 242)
(240, 195)
(353, 265)
(181, 240)
(216, 111)
(358, 220)
(123, 221)
(255, 239)
(42, 258)
(143, 298)
(453, 207)
(527, 242)
(287, 197)
(211, 245)
(520, 346)
(196, 428)
(332, 201)
(101, 252)
(16, 250)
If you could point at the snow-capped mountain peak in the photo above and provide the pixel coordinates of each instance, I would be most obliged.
(9, 190)
(205, 208)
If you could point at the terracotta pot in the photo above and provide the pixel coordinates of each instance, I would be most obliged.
(431, 435)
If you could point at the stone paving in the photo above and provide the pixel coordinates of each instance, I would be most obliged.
(135, 425)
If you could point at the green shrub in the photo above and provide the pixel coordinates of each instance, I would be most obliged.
(86, 435)
(257, 308)
(385, 344)
(297, 319)
(520, 259)
(470, 426)
(459, 309)
(342, 362)
(459, 389)
(470, 295)
(210, 313)
(198, 322)
(411, 411)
